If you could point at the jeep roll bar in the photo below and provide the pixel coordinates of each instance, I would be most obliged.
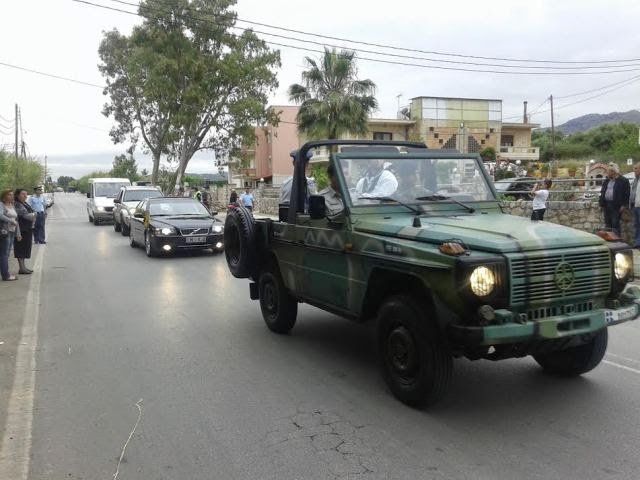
(299, 184)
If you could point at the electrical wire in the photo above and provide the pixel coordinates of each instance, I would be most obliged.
(9, 65)
(393, 47)
(598, 89)
(394, 55)
(379, 60)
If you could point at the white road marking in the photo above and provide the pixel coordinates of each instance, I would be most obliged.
(16, 441)
(623, 358)
(623, 367)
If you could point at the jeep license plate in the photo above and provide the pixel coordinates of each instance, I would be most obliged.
(620, 315)
(196, 239)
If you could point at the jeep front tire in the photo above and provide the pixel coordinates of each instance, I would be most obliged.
(575, 361)
(279, 309)
(416, 363)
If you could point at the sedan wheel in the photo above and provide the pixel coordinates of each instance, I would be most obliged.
(124, 229)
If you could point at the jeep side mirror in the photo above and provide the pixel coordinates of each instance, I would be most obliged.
(317, 207)
(116, 201)
(88, 194)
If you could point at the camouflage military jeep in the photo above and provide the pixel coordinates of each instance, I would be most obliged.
(437, 264)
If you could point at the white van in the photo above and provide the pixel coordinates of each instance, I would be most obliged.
(101, 194)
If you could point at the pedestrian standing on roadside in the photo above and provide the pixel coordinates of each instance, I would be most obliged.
(247, 200)
(39, 206)
(206, 197)
(9, 231)
(634, 205)
(614, 197)
(540, 196)
(197, 194)
(233, 198)
(26, 222)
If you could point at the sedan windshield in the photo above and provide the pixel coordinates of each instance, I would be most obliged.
(411, 181)
(137, 195)
(177, 206)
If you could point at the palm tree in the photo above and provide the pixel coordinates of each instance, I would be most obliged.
(332, 100)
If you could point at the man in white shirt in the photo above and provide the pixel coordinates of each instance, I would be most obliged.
(634, 204)
(377, 181)
(540, 197)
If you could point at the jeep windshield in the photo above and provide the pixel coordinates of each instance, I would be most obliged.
(414, 180)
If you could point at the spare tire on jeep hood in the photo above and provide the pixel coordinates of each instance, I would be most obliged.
(494, 232)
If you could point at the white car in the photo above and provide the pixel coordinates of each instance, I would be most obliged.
(102, 192)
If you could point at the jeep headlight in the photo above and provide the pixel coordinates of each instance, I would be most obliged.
(622, 265)
(482, 281)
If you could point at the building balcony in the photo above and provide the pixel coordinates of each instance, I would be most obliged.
(519, 153)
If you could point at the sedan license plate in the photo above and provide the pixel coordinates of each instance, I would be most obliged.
(196, 239)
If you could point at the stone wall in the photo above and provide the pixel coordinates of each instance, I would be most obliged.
(266, 198)
(586, 216)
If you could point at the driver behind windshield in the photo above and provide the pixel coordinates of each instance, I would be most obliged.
(377, 181)
(409, 187)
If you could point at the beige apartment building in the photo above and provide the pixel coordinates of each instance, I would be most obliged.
(468, 125)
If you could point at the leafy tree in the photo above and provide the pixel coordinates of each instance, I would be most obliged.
(185, 81)
(82, 183)
(144, 172)
(488, 154)
(333, 102)
(64, 181)
(125, 167)
(19, 172)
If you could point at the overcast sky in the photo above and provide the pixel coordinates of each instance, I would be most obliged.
(63, 119)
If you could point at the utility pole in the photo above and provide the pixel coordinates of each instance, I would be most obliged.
(553, 135)
(16, 130)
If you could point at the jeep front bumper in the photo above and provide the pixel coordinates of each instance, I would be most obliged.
(549, 328)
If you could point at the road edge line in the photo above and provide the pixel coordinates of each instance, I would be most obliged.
(622, 367)
(15, 449)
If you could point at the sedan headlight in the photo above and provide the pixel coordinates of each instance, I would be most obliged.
(622, 265)
(100, 209)
(217, 229)
(165, 231)
(482, 281)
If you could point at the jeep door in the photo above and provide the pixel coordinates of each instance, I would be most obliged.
(325, 272)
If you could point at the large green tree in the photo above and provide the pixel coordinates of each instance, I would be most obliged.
(125, 166)
(333, 101)
(185, 81)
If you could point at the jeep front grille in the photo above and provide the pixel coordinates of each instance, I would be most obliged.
(534, 277)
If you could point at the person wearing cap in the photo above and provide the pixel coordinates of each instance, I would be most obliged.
(285, 188)
(614, 197)
(39, 206)
(377, 181)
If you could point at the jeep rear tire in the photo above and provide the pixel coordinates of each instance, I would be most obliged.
(575, 361)
(279, 309)
(416, 362)
(240, 242)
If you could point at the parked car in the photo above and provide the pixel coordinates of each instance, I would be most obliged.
(442, 277)
(516, 187)
(126, 201)
(49, 199)
(102, 192)
(166, 224)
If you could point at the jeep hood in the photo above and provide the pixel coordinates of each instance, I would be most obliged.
(493, 232)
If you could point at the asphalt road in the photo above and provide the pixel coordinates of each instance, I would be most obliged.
(223, 398)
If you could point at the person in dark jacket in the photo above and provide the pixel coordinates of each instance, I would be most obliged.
(614, 197)
(233, 198)
(26, 220)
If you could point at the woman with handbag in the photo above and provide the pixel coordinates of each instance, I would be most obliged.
(26, 222)
(9, 230)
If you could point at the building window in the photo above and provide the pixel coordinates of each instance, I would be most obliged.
(506, 141)
(431, 129)
(383, 136)
(472, 145)
(452, 142)
(441, 141)
(481, 142)
(436, 135)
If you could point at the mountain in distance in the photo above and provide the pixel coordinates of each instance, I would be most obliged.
(592, 120)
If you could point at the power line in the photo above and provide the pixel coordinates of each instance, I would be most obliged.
(430, 52)
(600, 88)
(394, 55)
(379, 60)
(8, 65)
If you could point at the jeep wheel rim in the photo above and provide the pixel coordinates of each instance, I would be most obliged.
(271, 300)
(402, 356)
